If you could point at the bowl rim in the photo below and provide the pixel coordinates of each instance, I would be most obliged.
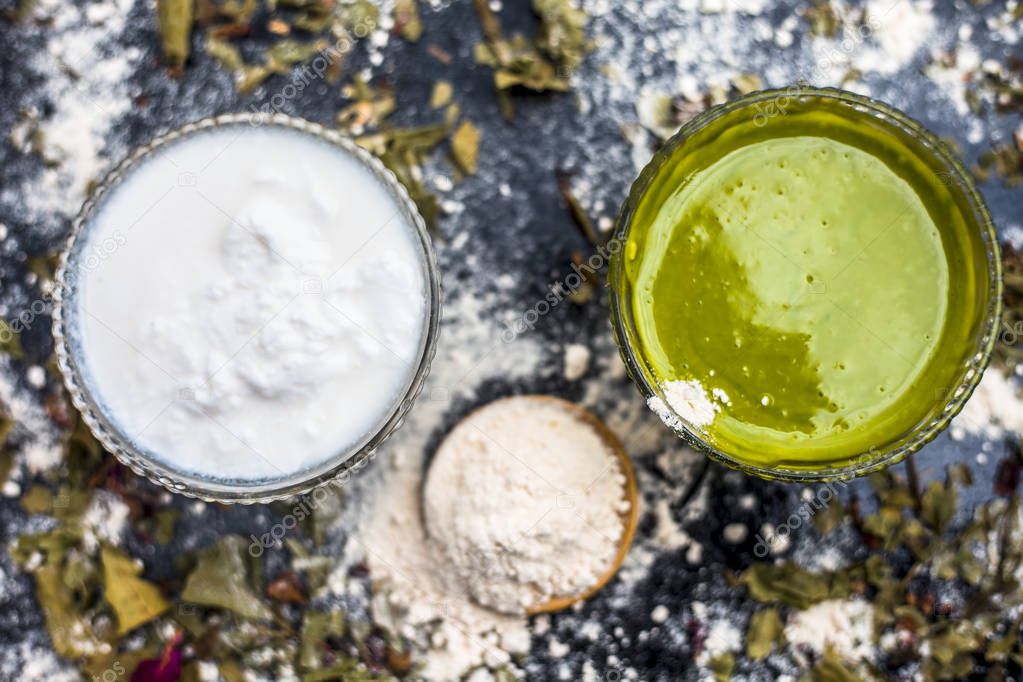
(336, 469)
(874, 459)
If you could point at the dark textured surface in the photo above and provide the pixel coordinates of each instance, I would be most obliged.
(534, 239)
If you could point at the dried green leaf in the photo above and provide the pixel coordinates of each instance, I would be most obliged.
(562, 34)
(135, 601)
(37, 500)
(10, 341)
(317, 626)
(465, 146)
(287, 53)
(406, 20)
(831, 669)
(766, 631)
(225, 53)
(176, 18)
(823, 18)
(222, 578)
(746, 83)
(785, 583)
(938, 505)
(70, 629)
(722, 666)
(441, 96)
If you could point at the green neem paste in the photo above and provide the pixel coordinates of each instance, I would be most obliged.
(805, 282)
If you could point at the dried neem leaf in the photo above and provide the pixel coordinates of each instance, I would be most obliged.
(225, 53)
(403, 150)
(70, 628)
(823, 18)
(519, 62)
(371, 106)
(317, 628)
(135, 601)
(786, 583)
(10, 341)
(746, 83)
(176, 18)
(465, 147)
(360, 17)
(939, 505)
(562, 33)
(442, 93)
(766, 631)
(1009, 349)
(37, 500)
(831, 668)
(235, 16)
(406, 20)
(722, 666)
(1004, 161)
(223, 578)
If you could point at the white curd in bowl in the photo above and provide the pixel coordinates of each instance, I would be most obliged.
(251, 302)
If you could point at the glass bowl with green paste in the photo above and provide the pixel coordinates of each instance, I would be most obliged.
(805, 284)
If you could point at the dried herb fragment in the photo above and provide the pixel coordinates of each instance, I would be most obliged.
(222, 578)
(465, 147)
(371, 106)
(176, 18)
(1009, 348)
(832, 669)
(441, 96)
(562, 34)
(317, 628)
(286, 588)
(722, 666)
(785, 583)
(540, 65)
(10, 341)
(1004, 161)
(823, 18)
(135, 601)
(403, 150)
(406, 20)
(766, 631)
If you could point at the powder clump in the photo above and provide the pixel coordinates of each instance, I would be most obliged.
(525, 500)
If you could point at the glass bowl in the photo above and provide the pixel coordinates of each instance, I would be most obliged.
(335, 469)
(756, 109)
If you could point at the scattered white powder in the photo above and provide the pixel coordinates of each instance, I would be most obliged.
(900, 28)
(722, 637)
(847, 626)
(524, 499)
(688, 400)
(577, 361)
(23, 661)
(40, 445)
(668, 534)
(104, 519)
(994, 408)
(734, 533)
(86, 70)
(35, 376)
(451, 634)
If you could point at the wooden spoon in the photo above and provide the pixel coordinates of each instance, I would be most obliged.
(630, 517)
